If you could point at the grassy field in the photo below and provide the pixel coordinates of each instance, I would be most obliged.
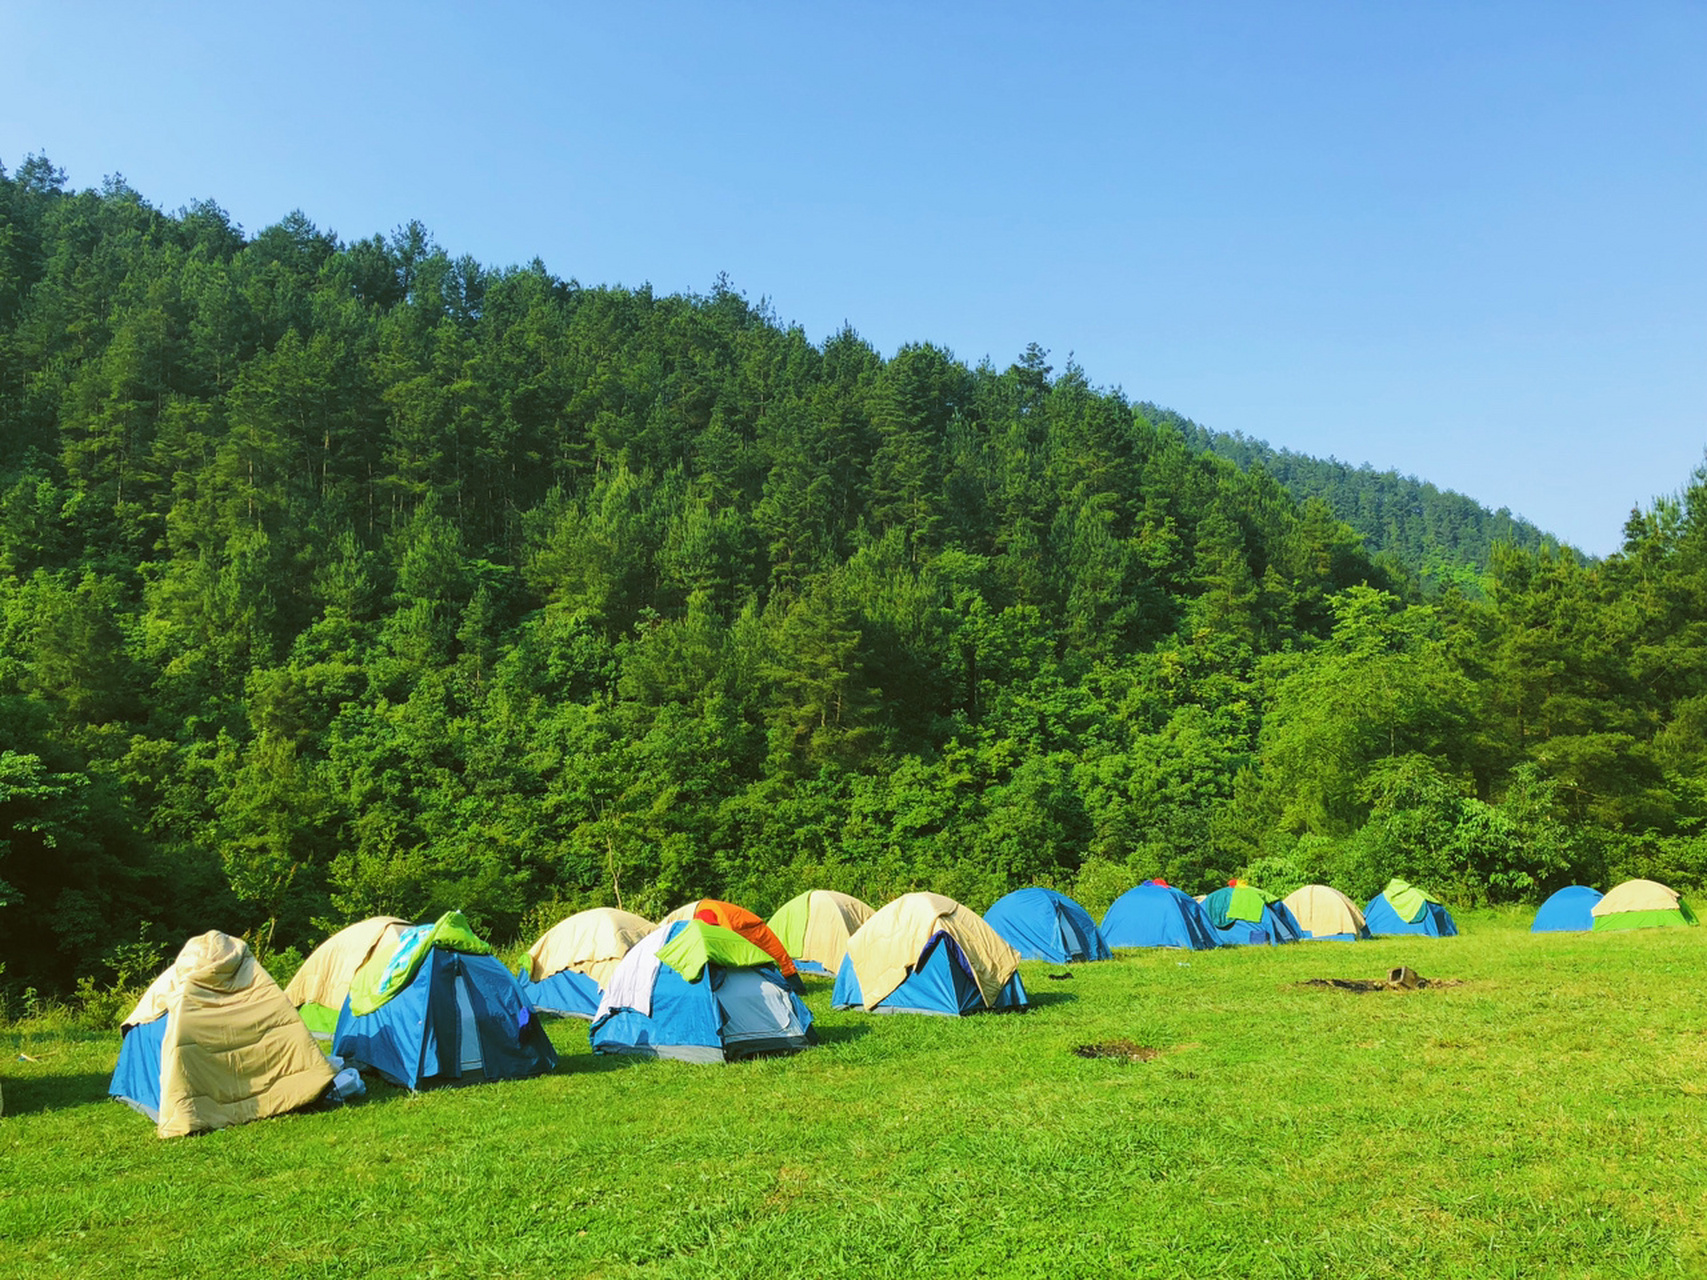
(1547, 1117)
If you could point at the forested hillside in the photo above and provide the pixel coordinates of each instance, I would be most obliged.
(348, 576)
(1438, 535)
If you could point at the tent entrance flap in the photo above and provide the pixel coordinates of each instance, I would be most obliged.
(756, 1013)
(469, 1057)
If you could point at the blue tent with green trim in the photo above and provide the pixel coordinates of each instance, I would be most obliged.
(1245, 916)
(440, 1009)
(697, 992)
(1402, 908)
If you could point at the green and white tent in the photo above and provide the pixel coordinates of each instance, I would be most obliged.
(1642, 904)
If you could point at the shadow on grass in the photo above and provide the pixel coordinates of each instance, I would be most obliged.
(843, 1033)
(30, 1095)
(582, 1064)
(1044, 999)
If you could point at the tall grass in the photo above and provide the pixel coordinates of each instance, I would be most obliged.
(1544, 1118)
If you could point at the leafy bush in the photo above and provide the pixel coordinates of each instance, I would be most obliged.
(1099, 883)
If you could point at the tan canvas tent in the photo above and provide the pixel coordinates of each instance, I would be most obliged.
(1324, 912)
(321, 984)
(214, 1042)
(887, 949)
(1636, 895)
(589, 942)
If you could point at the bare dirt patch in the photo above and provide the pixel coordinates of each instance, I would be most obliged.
(1119, 1050)
(1404, 978)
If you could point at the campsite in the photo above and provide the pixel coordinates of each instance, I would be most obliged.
(1543, 1118)
(803, 642)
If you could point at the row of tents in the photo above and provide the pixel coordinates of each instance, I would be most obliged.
(214, 1040)
(1155, 914)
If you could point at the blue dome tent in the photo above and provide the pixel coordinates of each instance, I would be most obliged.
(1157, 915)
(1570, 910)
(440, 1009)
(1041, 924)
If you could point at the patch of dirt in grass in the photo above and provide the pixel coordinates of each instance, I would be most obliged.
(1403, 978)
(1120, 1050)
(792, 1182)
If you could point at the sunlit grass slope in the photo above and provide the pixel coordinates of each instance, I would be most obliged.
(1545, 1118)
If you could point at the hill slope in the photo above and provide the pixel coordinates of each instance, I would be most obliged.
(1439, 535)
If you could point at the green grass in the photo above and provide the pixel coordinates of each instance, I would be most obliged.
(1546, 1118)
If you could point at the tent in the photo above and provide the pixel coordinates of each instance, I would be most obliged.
(1157, 915)
(1041, 924)
(1324, 912)
(739, 920)
(698, 992)
(1243, 915)
(1403, 908)
(214, 1042)
(814, 927)
(439, 1008)
(1570, 910)
(320, 985)
(574, 959)
(1642, 904)
(924, 953)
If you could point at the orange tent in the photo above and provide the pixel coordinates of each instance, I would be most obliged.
(742, 921)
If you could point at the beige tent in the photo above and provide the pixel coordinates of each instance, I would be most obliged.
(886, 947)
(1325, 912)
(321, 984)
(1636, 895)
(231, 1047)
(590, 942)
(816, 926)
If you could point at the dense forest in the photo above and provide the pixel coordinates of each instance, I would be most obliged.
(342, 577)
(1442, 536)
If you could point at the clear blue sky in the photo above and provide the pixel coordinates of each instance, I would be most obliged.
(1468, 241)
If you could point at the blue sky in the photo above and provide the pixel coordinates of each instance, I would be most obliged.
(1468, 241)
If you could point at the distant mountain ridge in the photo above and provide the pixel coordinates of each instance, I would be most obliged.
(1441, 535)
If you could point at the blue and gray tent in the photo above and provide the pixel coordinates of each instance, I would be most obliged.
(698, 992)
